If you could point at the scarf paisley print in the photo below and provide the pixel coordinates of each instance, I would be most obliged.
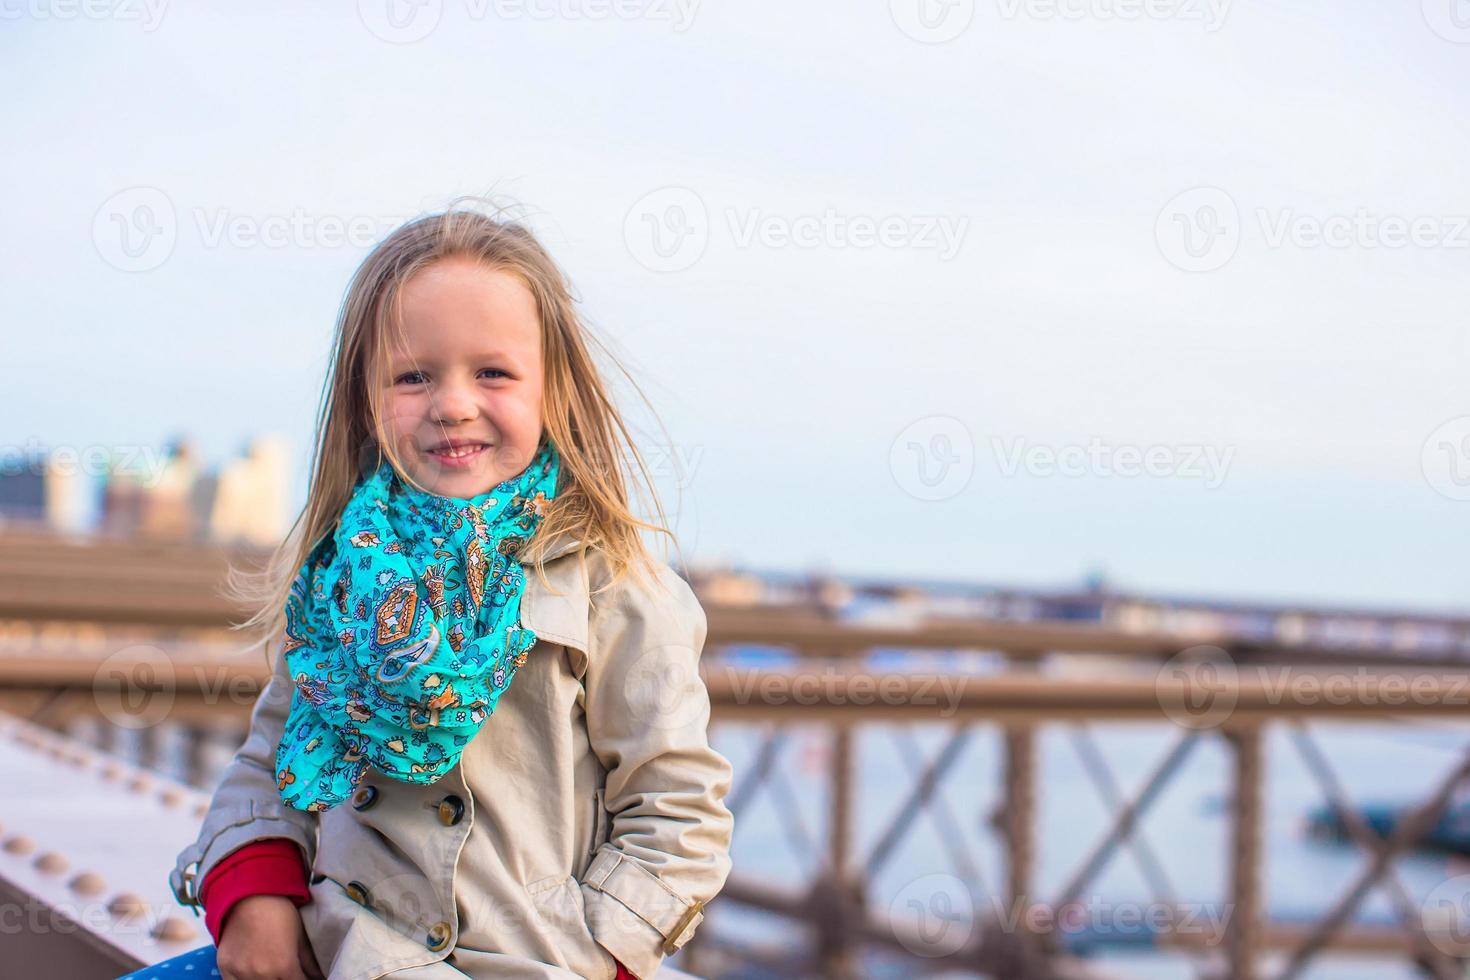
(403, 631)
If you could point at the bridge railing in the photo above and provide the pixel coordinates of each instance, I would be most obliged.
(1203, 692)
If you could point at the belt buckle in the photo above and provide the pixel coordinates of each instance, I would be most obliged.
(672, 944)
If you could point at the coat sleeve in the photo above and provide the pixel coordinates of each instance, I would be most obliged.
(247, 806)
(262, 867)
(648, 709)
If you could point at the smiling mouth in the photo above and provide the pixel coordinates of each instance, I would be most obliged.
(458, 452)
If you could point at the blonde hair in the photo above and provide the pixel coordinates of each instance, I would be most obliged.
(580, 418)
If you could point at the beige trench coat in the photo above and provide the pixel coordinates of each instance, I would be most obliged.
(584, 821)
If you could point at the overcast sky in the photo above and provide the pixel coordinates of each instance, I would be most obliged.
(1004, 290)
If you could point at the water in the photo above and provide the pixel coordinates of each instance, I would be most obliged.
(1188, 827)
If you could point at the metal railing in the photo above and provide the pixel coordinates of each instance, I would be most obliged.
(1029, 683)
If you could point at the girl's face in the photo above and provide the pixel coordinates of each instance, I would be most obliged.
(463, 400)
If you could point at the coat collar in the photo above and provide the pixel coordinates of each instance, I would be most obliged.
(563, 543)
(559, 618)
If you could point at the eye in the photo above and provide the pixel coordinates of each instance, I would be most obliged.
(495, 371)
(409, 378)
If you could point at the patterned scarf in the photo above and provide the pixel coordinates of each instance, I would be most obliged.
(403, 630)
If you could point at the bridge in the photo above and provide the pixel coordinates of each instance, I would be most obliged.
(106, 907)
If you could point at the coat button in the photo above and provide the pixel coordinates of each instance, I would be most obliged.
(364, 797)
(439, 934)
(451, 810)
(357, 892)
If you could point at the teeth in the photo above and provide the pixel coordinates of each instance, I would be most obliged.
(462, 451)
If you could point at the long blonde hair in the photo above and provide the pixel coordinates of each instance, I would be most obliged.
(580, 418)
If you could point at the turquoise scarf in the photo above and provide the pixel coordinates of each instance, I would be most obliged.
(403, 630)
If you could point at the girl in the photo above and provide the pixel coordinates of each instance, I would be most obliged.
(485, 737)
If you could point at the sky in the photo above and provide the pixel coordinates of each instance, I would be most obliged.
(1009, 292)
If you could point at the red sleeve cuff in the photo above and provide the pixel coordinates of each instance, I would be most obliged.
(623, 973)
(265, 867)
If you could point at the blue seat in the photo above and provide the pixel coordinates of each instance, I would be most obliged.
(186, 966)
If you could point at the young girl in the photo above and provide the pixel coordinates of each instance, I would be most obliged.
(483, 751)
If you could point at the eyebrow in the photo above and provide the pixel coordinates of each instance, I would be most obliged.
(406, 360)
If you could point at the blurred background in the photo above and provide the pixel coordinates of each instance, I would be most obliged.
(1105, 360)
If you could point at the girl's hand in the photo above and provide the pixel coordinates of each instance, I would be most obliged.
(263, 939)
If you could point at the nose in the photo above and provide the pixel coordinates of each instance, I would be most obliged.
(452, 402)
